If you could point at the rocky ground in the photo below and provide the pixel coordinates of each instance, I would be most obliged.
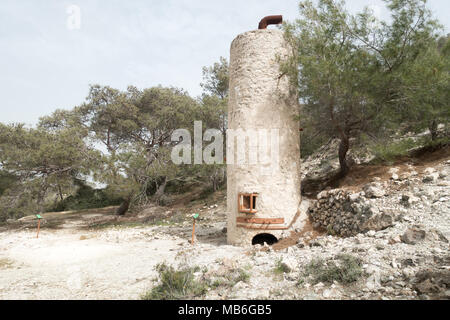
(391, 244)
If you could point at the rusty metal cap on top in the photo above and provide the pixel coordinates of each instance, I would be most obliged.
(270, 20)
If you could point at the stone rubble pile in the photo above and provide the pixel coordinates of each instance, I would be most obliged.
(344, 213)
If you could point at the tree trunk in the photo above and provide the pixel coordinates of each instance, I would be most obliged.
(123, 207)
(160, 191)
(214, 184)
(344, 133)
(343, 149)
(60, 193)
(41, 196)
(433, 127)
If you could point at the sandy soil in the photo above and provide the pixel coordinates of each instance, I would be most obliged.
(59, 265)
(73, 262)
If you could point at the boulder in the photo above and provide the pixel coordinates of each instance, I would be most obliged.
(429, 170)
(373, 282)
(413, 236)
(373, 190)
(379, 222)
(408, 198)
(432, 177)
(427, 286)
(322, 195)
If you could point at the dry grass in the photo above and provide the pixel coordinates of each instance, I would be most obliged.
(5, 263)
(344, 269)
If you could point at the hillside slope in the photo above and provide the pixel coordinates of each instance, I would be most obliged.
(95, 255)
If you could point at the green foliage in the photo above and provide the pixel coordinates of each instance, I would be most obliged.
(345, 269)
(214, 114)
(216, 79)
(425, 88)
(86, 197)
(233, 277)
(37, 152)
(437, 143)
(387, 152)
(330, 230)
(133, 128)
(281, 267)
(356, 74)
(19, 201)
(208, 191)
(7, 180)
(240, 275)
(42, 162)
(176, 284)
(310, 139)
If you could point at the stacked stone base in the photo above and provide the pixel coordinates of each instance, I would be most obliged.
(346, 214)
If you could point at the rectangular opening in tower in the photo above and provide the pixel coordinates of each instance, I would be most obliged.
(247, 202)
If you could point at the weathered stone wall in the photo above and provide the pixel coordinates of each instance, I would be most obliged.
(345, 213)
(261, 99)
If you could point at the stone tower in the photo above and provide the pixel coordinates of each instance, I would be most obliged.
(263, 141)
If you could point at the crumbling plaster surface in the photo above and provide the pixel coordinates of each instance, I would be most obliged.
(261, 99)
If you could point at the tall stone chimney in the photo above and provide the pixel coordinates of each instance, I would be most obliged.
(263, 191)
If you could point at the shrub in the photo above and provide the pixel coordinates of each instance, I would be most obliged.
(310, 140)
(86, 198)
(17, 202)
(281, 267)
(176, 284)
(240, 275)
(346, 269)
(437, 143)
(231, 279)
(387, 152)
(6, 181)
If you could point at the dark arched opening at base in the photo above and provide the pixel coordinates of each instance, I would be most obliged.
(262, 238)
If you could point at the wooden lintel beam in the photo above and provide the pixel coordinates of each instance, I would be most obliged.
(260, 220)
(261, 227)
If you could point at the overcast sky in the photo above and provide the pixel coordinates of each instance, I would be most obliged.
(48, 57)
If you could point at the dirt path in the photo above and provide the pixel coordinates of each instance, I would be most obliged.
(73, 262)
(59, 265)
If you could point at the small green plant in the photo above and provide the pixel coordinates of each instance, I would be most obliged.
(218, 283)
(231, 279)
(281, 267)
(388, 152)
(241, 275)
(330, 230)
(176, 284)
(437, 143)
(344, 268)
